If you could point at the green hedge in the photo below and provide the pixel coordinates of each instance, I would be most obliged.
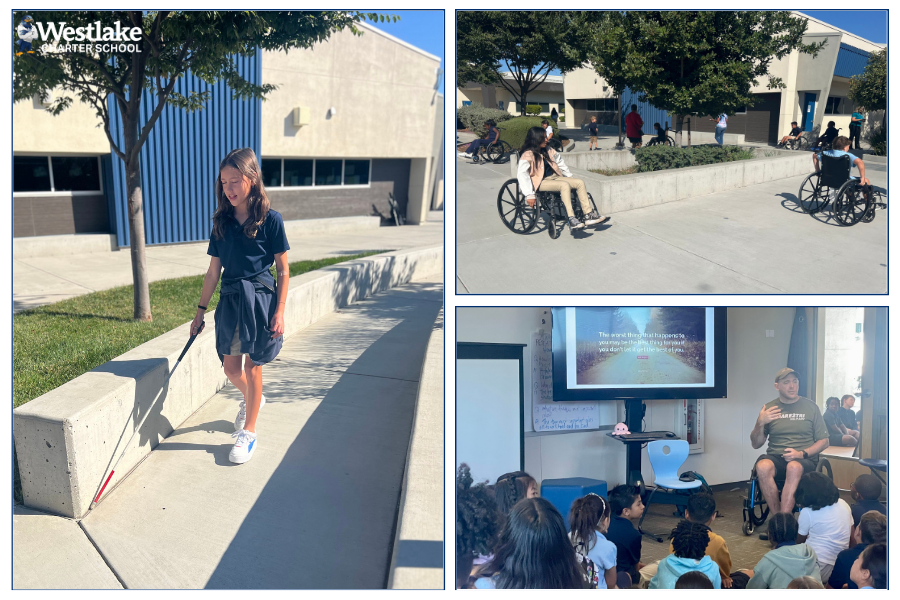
(878, 140)
(533, 109)
(513, 131)
(658, 158)
(474, 116)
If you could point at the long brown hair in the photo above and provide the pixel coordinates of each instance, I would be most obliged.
(244, 160)
(585, 517)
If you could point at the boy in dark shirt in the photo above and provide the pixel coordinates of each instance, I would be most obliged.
(866, 490)
(593, 129)
(872, 530)
(625, 504)
(828, 136)
(793, 135)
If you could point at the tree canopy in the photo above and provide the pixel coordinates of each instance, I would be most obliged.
(695, 62)
(526, 44)
(869, 90)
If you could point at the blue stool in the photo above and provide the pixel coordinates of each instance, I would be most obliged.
(561, 493)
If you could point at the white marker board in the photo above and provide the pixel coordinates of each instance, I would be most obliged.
(547, 414)
(489, 434)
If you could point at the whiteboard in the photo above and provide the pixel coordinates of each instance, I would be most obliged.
(548, 415)
(488, 419)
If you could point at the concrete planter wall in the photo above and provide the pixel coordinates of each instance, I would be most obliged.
(627, 192)
(66, 438)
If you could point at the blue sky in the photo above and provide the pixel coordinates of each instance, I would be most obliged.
(869, 24)
(422, 28)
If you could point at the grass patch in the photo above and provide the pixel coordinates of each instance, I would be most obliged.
(614, 172)
(54, 344)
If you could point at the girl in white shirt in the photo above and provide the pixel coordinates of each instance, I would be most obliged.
(825, 519)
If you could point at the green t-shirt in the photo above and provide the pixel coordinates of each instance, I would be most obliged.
(801, 425)
(857, 115)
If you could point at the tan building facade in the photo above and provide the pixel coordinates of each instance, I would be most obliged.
(549, 95)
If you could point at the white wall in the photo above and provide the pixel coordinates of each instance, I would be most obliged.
(753, 360)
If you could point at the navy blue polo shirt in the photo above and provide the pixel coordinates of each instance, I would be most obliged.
(627, 539)
(243, 257)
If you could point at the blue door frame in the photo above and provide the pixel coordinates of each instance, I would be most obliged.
(809, 111)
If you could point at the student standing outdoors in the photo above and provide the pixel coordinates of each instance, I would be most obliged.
(721, 126)
(247, 238)
(633, 125)
(856, 121)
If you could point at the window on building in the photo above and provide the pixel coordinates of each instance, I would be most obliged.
(271, 172)
(56, 174)
(838, 106)
(298, 173)
(601, 105)
(467, 103)
(742, 111)
(500, 104)
(328, 172)
(356, 172)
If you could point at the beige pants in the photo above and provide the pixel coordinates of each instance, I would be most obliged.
(565, 185)
(647, 573)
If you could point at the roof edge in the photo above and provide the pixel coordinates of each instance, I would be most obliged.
(397, 40)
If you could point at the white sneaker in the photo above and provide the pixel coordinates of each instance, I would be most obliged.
(241, 418)
(464, 155)
(243, 447)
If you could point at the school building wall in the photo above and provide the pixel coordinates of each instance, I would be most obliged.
(371, 97)
(753, 360)
(550, 92)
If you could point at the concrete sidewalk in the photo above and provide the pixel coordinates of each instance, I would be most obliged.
(316, 507)
(749, 240)
(44, 280)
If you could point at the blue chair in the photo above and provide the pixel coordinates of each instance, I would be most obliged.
(666, 458)
(561, 493)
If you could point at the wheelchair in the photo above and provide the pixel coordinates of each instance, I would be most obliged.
(851, 203)
(801, 143)
(755, 510)
(521, 218)
(495, 153)
(555, 143)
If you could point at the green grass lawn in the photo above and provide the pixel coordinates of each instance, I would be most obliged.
(56, 343)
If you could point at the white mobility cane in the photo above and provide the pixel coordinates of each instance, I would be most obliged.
(149, 410)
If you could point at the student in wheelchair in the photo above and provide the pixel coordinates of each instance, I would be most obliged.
(543, 169)
(827, 138)
(493, 134)
(840, 147)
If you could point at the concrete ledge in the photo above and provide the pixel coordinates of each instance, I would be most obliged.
(90, 243)
(639, 190)
(418, 555)
(63, 245)
(65, 439)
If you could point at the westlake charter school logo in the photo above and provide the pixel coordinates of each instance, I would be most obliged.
(62, 38)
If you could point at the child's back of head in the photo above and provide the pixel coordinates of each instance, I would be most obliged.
(585, 518)
(689, 540)
(511, 488)
(621, 497)
(868, 487)
(805, 583)
(477, 522)
(694, 580)
(874, 560)
(700, 508)
(873, 528)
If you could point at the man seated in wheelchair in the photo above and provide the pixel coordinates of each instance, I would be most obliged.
(797, 434)
(493, 134)
(826, 138)
(660, 135)
(793, 135)
(841, 147)
(542, 169)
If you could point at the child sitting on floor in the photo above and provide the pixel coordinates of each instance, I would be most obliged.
(872, 530)
(689, 541)
(787, 559)
(477, 524)
(866, 491)
(588, 521)
(693, 580)
(825, 519)
(625, 504)
(701, 508)
(870, 569)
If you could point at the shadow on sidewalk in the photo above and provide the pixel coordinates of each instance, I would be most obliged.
(326, 518)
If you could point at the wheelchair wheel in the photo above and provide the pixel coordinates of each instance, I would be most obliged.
(850, 204)
(824, 467)
(514, 211)
(869, 215)
(670, 141)
(812, 197)
(747, 527)
(802, 144)
(497, 152)
(579, 213)
(554, 228)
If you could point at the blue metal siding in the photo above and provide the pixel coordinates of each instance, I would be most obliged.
(850, 61)
(649, 114)
(180, 159)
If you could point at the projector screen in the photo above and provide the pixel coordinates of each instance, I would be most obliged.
(620, 352)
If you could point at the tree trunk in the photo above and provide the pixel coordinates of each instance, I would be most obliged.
(619, 120)
(136, 223)
(689, 132)
(679, 124)
(524, 104)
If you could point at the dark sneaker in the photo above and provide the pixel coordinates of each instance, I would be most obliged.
(594, 219)
(575, 224)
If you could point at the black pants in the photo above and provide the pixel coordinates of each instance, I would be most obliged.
(854, 135)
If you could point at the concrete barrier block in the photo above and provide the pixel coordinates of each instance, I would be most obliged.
(732, 175)
(298, 227)
(63, 245)
(66, 439)
(754, 172)
(694, 181)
